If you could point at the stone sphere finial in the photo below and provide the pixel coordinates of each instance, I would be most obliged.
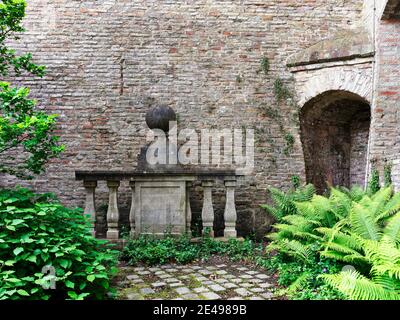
(159, 118)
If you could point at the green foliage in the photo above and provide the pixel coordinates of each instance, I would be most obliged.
(153, 251)
(369, 239)
(295, 181)
(271, 112)
(374, 182)
(298, 236)
(265, 65)
(387, 174)
(281, 91)
(25, 131)
(357, 287)
(26, 140)
(37, 231)
(301, 280)
(284, 203)
(289, 139)
(11, 14)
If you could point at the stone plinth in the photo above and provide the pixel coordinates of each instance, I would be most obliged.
(160, 204)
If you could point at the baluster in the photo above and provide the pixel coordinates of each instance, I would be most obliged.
(188, 209)
(132, 212)
(230, 215)
(90, 207)
(112, 212)
(207, 213)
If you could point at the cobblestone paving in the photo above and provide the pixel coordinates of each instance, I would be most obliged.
(194, 282)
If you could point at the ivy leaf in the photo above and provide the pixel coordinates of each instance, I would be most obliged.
(32, 258)
(90, 278)
(64, 263)
(23, 293)
(9, 263)
(18, 250)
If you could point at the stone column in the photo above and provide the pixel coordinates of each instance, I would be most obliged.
(188, 209)
(112, 212)
(90, 207)
(230, 215)
(132, 211)
(207, 213)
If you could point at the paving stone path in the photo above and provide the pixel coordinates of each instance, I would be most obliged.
(194, 282)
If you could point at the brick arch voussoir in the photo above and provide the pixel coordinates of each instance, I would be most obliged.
(337, 81)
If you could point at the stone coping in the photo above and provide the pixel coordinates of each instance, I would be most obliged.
(97, 175)
(345, 46)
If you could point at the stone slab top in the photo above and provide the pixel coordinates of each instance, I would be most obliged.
(200, 174)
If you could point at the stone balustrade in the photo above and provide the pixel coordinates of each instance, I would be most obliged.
(156, 183)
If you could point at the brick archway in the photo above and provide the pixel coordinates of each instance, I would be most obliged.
(350, 81)
(334, 133)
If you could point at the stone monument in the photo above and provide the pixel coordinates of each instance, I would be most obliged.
(160, 199)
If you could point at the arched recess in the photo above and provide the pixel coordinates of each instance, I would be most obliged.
(334, 133)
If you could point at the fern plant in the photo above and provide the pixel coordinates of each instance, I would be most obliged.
(284, 203)
(298, 221)
(368, 238)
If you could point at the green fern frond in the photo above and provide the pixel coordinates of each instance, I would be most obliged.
(341, 238)
(356, 193)
(304, 194)
(363, 222)
(307, 210)
(299, 283)
(272, 211)
(392, 229)
(379, 200)
(296, 249)
(392, 207)
(357, 287)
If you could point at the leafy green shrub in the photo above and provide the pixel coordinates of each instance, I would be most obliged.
(301, 280)
(387, 174)
(25, 131)
(36, 231)
(374, 182)
(153, 251)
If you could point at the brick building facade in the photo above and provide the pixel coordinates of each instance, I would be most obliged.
(109, 61)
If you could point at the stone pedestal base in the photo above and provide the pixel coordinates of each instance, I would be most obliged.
(230, 233)
(161, 204)
(112, 234)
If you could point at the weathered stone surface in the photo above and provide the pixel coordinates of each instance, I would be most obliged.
(160, 204)
(189, 287)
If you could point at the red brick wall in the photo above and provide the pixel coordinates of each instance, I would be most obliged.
(109, 61)
(386, 115)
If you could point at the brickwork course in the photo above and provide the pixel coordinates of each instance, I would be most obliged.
(110, 61)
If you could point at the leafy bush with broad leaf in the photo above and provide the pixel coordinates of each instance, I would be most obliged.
(37, 232)
(27, 140)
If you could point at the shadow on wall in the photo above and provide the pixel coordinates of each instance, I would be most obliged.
(334, 132)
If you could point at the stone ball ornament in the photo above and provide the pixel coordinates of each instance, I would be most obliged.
(159, 118)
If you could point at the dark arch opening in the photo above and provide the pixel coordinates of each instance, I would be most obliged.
(334, 133)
